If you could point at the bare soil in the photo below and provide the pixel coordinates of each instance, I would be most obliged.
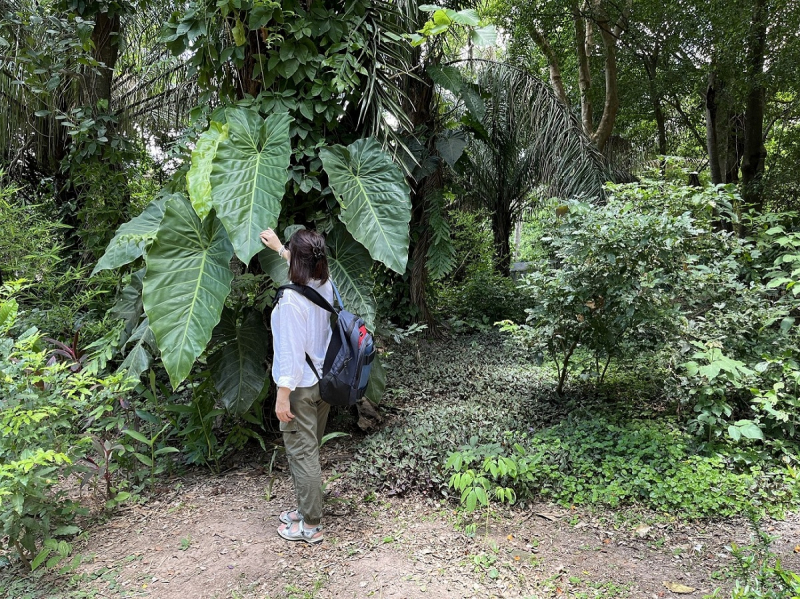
(215, 537)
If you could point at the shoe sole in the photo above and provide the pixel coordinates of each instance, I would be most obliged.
(311, 541)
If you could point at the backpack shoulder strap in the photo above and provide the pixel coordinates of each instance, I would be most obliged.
(310, 294)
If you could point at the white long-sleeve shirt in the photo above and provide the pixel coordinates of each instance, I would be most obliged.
(299, 328)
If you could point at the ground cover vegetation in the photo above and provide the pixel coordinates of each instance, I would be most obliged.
(648, 356)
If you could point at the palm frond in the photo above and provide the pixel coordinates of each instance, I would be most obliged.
(536, 142)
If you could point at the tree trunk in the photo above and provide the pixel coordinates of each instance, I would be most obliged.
(420, 104)
(712, 114)
(556, 80)
(650, 67)
(658, 112)
(754, 153)
(733, 138)
(105, 37)
(584, 74)
(611, 105)
(501, 230)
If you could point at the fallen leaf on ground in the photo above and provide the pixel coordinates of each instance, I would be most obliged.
(642, 530)
(677, 587)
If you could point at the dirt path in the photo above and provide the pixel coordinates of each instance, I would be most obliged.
(215, 538)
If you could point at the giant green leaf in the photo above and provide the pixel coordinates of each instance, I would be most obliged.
(130, 240)
(187, 280)
(484, 36)
(197, 179)
(374, 195)
(237, 368)
(473, 100)
(351, 270)
(377, 381)
(450, 78)
(468, 16)
(447, 77)
(450, 145)
(225, 331)
(249, 176)
(276, 267)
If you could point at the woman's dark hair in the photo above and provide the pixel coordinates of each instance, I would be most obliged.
(307, 260)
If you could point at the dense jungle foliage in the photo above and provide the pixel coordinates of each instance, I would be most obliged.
(573, 227)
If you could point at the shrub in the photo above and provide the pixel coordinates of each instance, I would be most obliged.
(759, 574)
(483, 299)
(48, 413)
(736, 367)
(58, 291)
(607, 283)
(30, 247)
(475, 295)
(659, 268)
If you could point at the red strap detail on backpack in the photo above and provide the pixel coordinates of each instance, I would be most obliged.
(362, 332)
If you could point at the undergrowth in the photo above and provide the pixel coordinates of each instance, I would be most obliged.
(483, 402)
(448, 393)
(594, 459)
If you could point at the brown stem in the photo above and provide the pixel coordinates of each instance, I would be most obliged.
(562, 377)
(712, 115)
(556, 81)
(22, 555)
(605, 369)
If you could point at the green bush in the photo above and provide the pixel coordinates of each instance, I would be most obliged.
(736, 366)
(607, 283)
(58, 294)
(662, 269)
(50, 412)
(31, 244)
(483, 299)
(596, 460)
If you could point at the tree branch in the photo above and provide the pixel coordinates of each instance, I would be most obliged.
(552, 60)
(675, 103)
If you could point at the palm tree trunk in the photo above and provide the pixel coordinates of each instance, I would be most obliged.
(420, 105)
(501, 229)
(105, 37)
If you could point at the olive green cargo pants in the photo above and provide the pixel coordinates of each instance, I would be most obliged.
(301, 437)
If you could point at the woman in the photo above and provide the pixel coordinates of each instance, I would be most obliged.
(299, 329)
